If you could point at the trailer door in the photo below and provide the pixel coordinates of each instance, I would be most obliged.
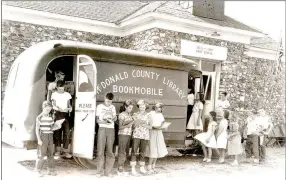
(85, 106)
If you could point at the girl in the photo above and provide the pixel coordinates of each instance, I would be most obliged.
(234, 146)
(195, 123)
(191, 98)
(207, 139)
(221, 135)
(124, 133)
(140, 137)
(157, 147)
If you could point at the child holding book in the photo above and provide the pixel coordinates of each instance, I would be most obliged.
(157, 147)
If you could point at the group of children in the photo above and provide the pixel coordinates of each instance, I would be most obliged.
(51, 123)
(223, 133)
(143, 128)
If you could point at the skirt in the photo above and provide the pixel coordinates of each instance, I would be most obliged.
(192, 124)
(234, 146)
(202, 137)
(157, 147)
(222, 141)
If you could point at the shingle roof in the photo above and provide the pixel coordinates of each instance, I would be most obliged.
(116, 11)
(107, 11)
(264, 43)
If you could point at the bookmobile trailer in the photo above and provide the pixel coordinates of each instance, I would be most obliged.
(92, 70)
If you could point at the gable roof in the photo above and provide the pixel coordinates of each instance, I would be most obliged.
(116, 12)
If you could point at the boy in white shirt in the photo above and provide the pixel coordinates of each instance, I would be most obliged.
(61, 105)
(106, 115)
(223, 102)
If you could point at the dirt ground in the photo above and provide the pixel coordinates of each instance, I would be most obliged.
(19, 163)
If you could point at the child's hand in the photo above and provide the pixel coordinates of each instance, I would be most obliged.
(40, 142)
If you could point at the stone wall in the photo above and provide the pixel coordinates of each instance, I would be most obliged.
(248, 80)
(16, 37)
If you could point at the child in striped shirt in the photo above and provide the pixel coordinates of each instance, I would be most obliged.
(44, 132)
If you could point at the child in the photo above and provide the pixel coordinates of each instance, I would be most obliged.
(195, 123)
(157, 147)
(53, 85)
(44, 134)
(207, 139)
(61, 105)
(221, 135)
(106, 115)
(140, 137)
(124, 133)
(234, 146)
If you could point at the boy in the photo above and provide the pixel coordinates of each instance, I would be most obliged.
(61, 105)
(106, 115)
(44, 134)
(223, 102)
(52, 86)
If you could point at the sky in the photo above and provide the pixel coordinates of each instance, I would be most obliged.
(268, 16)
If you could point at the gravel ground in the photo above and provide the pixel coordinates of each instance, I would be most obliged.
(19, 163)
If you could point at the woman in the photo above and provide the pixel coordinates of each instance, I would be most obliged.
(157, 147)
(124, 134)
(207, 139)
(195, 124)
(140, 136)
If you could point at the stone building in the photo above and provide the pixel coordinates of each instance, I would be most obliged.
(234, 55)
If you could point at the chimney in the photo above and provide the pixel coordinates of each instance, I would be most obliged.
(212, 9)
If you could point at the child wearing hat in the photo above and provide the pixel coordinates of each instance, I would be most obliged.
(140, 136)
(157, 147)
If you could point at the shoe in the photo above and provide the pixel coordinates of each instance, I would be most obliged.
(143, 170)
(67, 155)
(40, 174)
(234, 163)
(208, 160)
(57, 155)
(149, 169)
(256, 161)
(221, 161)
(248, 160)
(205, 159)
(51, 173)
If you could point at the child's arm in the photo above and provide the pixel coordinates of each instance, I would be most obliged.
(148, 124)
(122, 124)
(38, 130)
(212, 133)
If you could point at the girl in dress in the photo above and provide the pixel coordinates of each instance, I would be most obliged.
(157, 147)
(195, 124)
(124, 133)
(234, 147)
(207, 139)
(221, 135)
(140, 137)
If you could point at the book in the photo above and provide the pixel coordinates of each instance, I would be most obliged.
(58, 124)
(165, 125)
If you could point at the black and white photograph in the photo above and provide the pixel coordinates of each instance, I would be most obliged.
(147, 90)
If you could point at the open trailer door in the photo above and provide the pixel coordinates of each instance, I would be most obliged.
(85, 106)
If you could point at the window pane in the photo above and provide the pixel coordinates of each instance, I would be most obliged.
(86, 78)
(84, 60)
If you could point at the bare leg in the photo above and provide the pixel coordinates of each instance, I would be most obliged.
(209, 154)
(222, 155)
(204, 150)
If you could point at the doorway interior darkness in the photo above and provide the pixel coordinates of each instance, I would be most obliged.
(64, 64)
